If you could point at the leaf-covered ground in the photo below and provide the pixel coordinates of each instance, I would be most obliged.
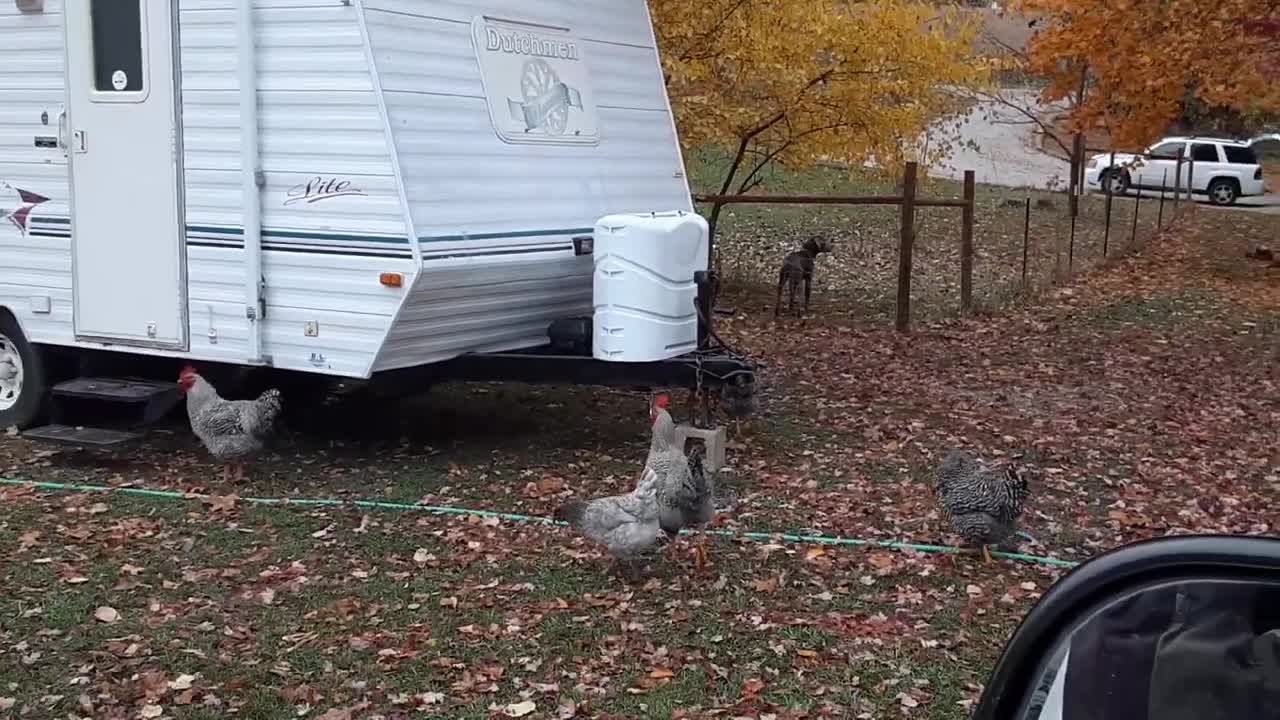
(1145, 395)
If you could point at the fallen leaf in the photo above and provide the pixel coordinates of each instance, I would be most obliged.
(751, 688)
(520, 709)
(183, 682)
(150, 711)
(659, 673)
(421, 556)
(449, 602)
(222, 503)
(908, 701)
(881, 560)
(336, 714)
(765, 586)
(431, 698)
(7, 702)
(106, 614)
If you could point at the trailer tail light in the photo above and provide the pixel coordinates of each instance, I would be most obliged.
(391, 280)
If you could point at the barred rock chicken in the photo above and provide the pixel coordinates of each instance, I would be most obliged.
(685, 490)
(739, 400)
(627, 525)
(233, 431)
(983, 504)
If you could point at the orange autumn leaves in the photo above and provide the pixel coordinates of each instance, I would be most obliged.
(1147, 58)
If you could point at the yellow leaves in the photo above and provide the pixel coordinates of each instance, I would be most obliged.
(816, 80)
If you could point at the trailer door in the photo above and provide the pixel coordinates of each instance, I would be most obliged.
(128, 239)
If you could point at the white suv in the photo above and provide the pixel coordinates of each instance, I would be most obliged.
(1225, 170)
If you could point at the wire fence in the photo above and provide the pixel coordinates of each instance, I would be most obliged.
(1023, 240)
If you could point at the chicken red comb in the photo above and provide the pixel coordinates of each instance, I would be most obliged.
(662, 401)
(187, 370)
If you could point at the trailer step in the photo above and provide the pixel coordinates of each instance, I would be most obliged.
(113, 402)
(121, 390)
(81, 436)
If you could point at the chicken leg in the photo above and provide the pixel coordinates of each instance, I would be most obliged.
(700, 553)
(986, 554)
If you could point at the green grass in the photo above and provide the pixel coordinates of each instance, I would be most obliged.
(526, 617)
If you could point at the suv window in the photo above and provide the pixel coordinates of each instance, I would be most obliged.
(1204, 153)
(1166, 151)
(1237, 155)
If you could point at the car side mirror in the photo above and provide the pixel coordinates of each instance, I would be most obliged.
(1185, 627)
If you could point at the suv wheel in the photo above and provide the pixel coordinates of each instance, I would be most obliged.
(1222, 192)
(1115, 182)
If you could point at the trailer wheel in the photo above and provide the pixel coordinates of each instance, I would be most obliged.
(23, 394)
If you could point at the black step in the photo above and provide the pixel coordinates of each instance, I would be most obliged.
(81, 436)
(120, 390)
(117, 403)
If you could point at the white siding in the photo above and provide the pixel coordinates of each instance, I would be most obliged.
(35, 265)
(495, 219)
(318, 117)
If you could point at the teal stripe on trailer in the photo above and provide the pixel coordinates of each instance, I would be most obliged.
(352, 237)
(505, 235)
(301, 234)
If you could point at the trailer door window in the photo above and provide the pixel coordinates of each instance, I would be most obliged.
(117, 37)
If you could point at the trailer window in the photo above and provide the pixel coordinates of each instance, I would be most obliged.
(117, 45)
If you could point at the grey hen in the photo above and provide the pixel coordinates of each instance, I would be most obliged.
(983, 504)
(627, 525)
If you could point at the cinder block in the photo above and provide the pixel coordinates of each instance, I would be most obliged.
(714, 439)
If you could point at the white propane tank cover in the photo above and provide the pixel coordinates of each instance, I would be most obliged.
(643, 286)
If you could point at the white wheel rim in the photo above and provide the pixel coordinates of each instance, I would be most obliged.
(10, 373)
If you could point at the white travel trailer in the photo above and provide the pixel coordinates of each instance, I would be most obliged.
(336, 187)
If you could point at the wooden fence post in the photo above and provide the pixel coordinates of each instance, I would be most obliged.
(1133, 231)
(1164, 182)
(1191, 181)
(907, 241)
(1106, 227)
(1177, 181)
(1026, 241)
(966, 243)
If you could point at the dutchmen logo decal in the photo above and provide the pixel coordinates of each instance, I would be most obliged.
(546, 99)
(536, 81)
(16, 205)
